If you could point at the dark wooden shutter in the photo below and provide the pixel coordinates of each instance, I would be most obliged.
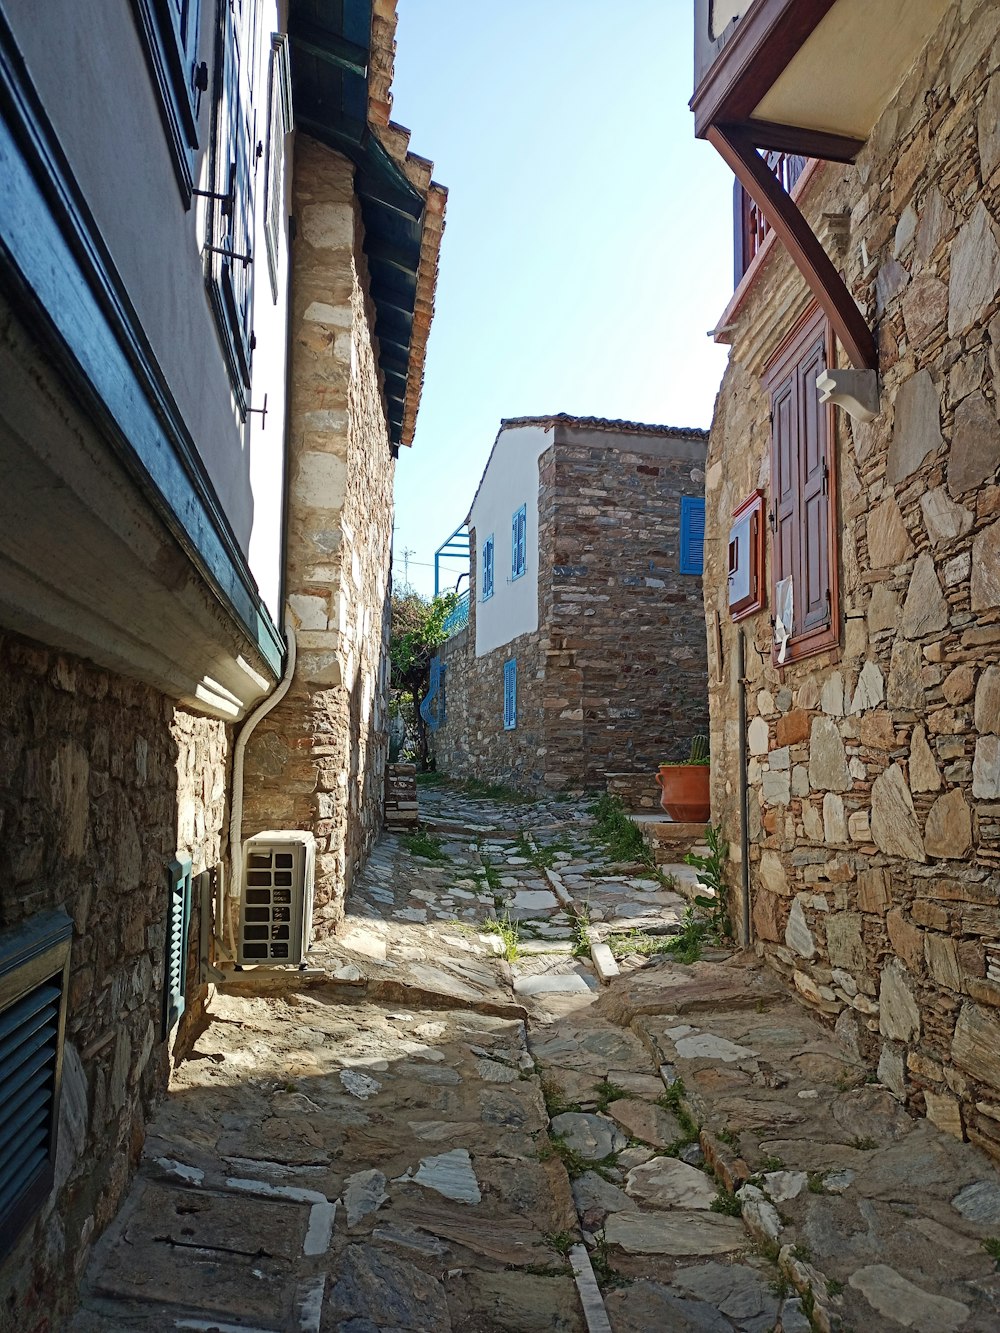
(33, 976)
(812, 594)
(785, 482)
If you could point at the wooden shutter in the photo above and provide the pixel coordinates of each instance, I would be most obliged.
(785, 482)
(34, 967)
(518, 543)
(813, 591)
(692, 535)
(802, 496)
(178, 921)
(488, 569)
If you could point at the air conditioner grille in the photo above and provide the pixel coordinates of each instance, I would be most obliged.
(277, 899)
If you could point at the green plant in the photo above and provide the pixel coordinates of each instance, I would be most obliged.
(711, 871)
(560, 1241)
(425, 845)
(803, 1253)
(729, 1138)
(432, 778)
(417, 629)
(685, 947)
(608, 1092)
(771, 1163)
(817, 1183)
(555, 1102)
(581, 927)
(508, 931)
(726, 1203)
(604, 1273)
(575, 1163)
(992, 1247)
(639, 942)
(834, 1287)
(494, 791)
(621, 838)
(864, 1144)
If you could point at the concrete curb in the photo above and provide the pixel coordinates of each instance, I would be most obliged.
(591, 1299)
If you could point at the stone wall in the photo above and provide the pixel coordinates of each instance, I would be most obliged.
(875, 769)
(105, 782)
(317, 761)
(625, 668)
(614, 680)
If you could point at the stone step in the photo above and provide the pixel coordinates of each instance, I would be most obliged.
(659, 828)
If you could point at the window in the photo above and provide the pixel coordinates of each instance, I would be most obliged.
(692, 539)
(488, 568)
(510, 694)
(178, 920)
(803, 511)
(279, 123)
(34, 972)
(518, 543)
(169, 29)
(231, 231)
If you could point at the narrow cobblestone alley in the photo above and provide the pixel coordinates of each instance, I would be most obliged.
(451, 1122)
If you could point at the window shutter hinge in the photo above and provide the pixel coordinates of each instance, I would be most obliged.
(772, 520)
(826, 477)
(201, 78)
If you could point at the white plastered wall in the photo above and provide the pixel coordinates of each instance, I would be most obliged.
(510, 480)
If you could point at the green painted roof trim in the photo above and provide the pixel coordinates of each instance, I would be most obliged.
(331, 50)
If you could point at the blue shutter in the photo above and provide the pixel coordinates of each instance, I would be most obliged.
(518, 543)
(692, 544)
(178, 920)
(510, 694)
(488, 569)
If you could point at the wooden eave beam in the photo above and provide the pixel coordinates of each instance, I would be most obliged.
(767, 38)
(735, 145)
(807, 143)
(327, 46)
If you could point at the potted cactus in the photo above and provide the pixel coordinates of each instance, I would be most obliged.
(684, 787)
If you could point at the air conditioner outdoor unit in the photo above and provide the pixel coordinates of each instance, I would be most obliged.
(276, 902)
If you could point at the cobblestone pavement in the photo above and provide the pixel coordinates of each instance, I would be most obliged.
(428, 1133)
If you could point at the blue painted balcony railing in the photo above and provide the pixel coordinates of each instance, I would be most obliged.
(458, 617)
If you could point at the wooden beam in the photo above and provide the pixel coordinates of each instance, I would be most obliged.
(767, 38)
(328, 46)
(806, 143)
(735, 146)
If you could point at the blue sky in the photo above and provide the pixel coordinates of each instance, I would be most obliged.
(588, 245)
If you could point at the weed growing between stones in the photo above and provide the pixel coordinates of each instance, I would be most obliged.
(641, 943)
(672, 1100)
(729, 1138)
(581, 925)
(864, 1144)
(560, 1241)
(555, 1102)
(604, 1273)
(771, 1163)
(490, 873)
(621, 838)
(577, 1165)
(712, 871)
(817, 1183)
(834, 1287)
(726, 1203)
(432, 778)
(425, 845)
(608, 1092)
(992, 1247)
(508, 931)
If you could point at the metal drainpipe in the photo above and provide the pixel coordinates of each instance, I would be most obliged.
(741, 667)
(239, 753)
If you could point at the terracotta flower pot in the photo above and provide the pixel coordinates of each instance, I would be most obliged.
(685, 793)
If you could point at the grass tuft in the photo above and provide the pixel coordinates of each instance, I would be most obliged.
(992, 1247)
(608, 1092)
(425, 845)
(509, 934)
(726, 1203)
(621, 838)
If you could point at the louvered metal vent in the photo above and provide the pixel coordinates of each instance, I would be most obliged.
(277, 897)
(33, 972)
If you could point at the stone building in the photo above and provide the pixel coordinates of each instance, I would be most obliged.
(853, 461)
(585, 648)
(153, 304)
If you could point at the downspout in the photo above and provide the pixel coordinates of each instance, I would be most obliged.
(239, 755)
(741, 668)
